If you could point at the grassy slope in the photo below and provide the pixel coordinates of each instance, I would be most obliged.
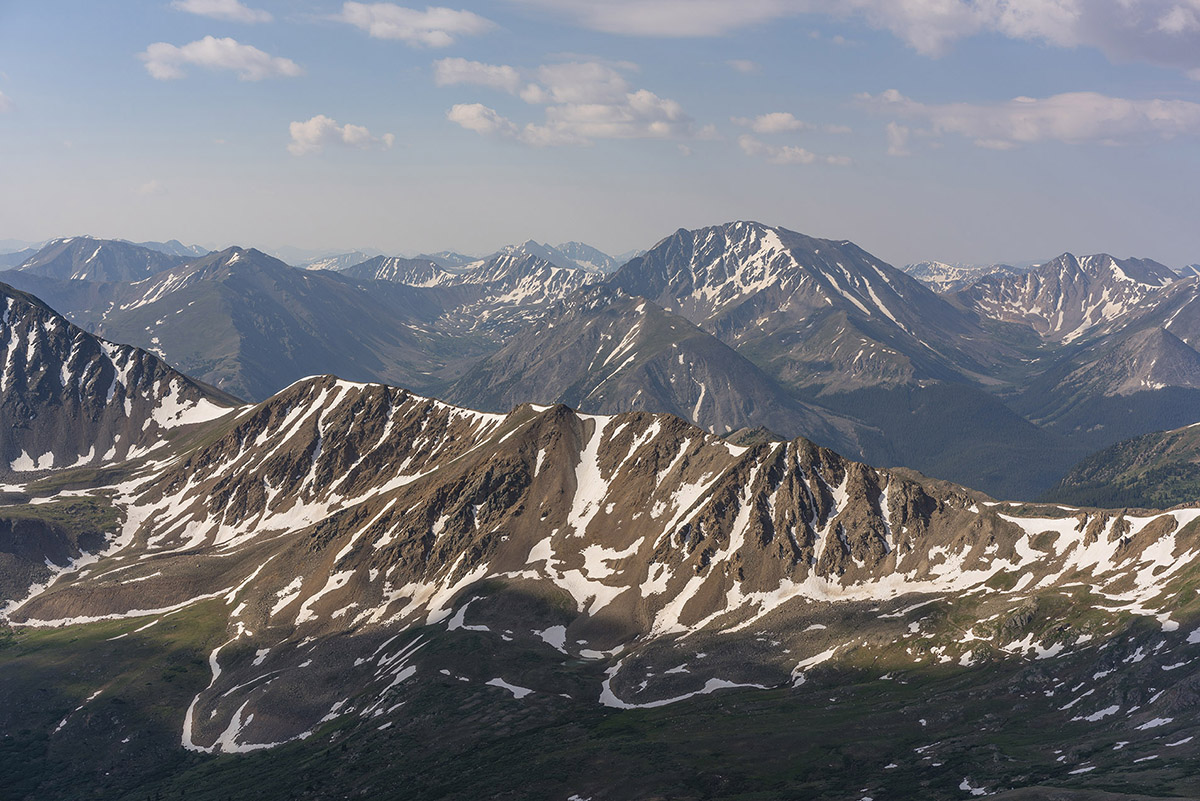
(1154, 471)
(831, 738)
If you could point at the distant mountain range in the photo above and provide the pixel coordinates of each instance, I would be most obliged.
(81, 258)
(174, 247)
(589, 257)
(1002, 385)
(338, 263)
(942, 277)
(1065, 298)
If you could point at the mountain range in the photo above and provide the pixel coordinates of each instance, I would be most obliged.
(349, 587)
(942, 277)
(340, 565)
(1002, 385)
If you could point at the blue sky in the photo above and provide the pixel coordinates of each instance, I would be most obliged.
(959, 130)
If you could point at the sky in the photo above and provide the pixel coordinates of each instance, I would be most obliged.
(972, 131)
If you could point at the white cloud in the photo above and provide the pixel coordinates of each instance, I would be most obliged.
(576, 82)
(642, 114)
(897, 139)
(433, 27)
(6, 103)
(773, 123)
(1162, 32)
(773, 153)
(231, 10)
(786, 154)
(165, 62)
(151, 188)
(312, 136)
(1074, 117)
(744, 66)
(451, 71)
(482, 120)
(584, 101)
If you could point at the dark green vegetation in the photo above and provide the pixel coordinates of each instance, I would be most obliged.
(957, 431)
(1154, 471)
(874, 724)
(54, 533)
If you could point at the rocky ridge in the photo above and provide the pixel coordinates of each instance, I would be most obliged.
(83, 258)
(336, 525)
(69, 399)
(602, 351)
(1068, 297)
(819, 314)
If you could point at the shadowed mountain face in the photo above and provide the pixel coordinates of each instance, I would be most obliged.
(603, 351)
(1154, 470)
(68, 398)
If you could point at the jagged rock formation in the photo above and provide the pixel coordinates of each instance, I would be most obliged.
(1065, 299)
(336, 516)
(68, 398)
(943, 278)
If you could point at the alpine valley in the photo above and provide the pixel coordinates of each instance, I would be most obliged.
(750, 515)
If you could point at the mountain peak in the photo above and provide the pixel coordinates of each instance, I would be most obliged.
(84, 258)
(114, 400)
(536, 249)
(588, 257)
(1068, 297)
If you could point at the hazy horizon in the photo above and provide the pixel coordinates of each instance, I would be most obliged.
(960, 131)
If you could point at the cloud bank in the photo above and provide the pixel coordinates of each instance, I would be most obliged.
(166, 62)
(314, 135)
(231, 10)
(433, 27)
(1072, 117)
(1161, 32)
(582, 101)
